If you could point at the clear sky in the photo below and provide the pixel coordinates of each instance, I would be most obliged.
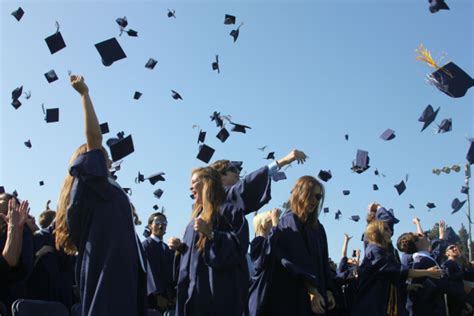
(302, 74)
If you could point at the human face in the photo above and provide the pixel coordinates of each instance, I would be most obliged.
(422, 244)
(231, 176)
(453, 251)
(196, 188)
(158, 226)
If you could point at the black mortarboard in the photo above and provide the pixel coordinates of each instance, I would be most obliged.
(201, 137)
(451, 80)
(55, 42)
(470, 153)
(223, 134)
(110, 51)
(216, 116)
(122, 22)
(445, 126)
(132, 33)
(280, 175)
(156, 207)
(51, 76)
(346, 192)
(171, 13)
(326, 210)
(401, 187)
(151, 63)
(376, 172)
(215, 65)
(411, 206)
(338, 215)
(28, 143)
(355, 218)
(137, 95)
(18, 13)
(346, 136)
(121, 135)
(104, 128)
(325, 175)
(271, 155)
(389, 134)
(465, 190)
(436, 5)
(175, 95)
(158, 193)
(15, 193)
(16, 104)
(52, 115)
(237, 164)
(362, 161)
(235, 33)
(2, 189)
(41, 183)
(154, 178)
(354, 253)
(229, 19)
(456, 205)
(139, 178)
(120, 148)
(205, 153)
(17, 92)
(428, 116)
(375, 187)
(239, 128)
(430, 205)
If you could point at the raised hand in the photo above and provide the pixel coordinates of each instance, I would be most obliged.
(174, 243)
(79, 85)
(17, 214)
(294, 155)
(347, 237)
(202, 226)
(275, 216)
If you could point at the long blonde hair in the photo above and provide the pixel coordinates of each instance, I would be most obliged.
(213, 196)
(63, 240)
(259, 222)
(377, 233)
(307, 198)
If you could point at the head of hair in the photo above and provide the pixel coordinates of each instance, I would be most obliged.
(221, 166)
(378, 233)
(151, 218)
(307, 198)
(407, 243)
(46, 218)
(259, 222)
(371, 213)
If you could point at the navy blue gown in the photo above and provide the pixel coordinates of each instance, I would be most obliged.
(110, 268)
(161, 259)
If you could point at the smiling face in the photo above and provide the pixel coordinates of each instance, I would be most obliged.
(158, 226)
(453, 252)
(196, 188)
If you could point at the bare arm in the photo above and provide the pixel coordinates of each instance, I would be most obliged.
(15, 219)
(292, 156)
(417, 223)
(345, 244)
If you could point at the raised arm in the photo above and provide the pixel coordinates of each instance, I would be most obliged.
(345, 244)
(417, 223)
(16, 218)
(297, 155)
(91, 124)
(442, 230)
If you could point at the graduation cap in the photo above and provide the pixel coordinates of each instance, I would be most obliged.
(389, 134)
(137, 95)
(16, 104)
(216, 116)
(451, 236)
(375, 187)
(338, 214)
(41, 183)
(271, 155)
(104, 128)
(51, 76)
(436, 5)
(121, 135)
(51, 115)
(215, 65)
(175, 95)
(278, 176)
(326, 210)
(235, 33)
(387, 216)
(456, 205)
(205, 153)
(325, 175)
(139, 178)
(239, 128)
(110, 51)
(15, 193)
(17, 92)
(156, 207)
(346, 136)
(428, 116)
(122, 22)
(120, 147)
(18, 13)
(411, 206)
(346, 192)
(470, 152)
(237, 165)
(201, 137)
(223, 135)
(229, 19)
(430, 205)
(465, 190)
(362, 161)
(262, 148)
(355, 218)
(401, 187)
(132, 33)
(158, 193)
(445, 126)
(55, 42)
(28, 143)
(151, 63)
(171, 13)
(154, 178)
(2, 189)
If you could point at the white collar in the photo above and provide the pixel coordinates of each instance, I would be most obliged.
(156, 238)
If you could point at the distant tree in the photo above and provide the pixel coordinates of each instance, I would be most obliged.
(463, 235)
(434, 232)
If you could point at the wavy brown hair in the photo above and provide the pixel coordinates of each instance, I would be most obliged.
(307, 198)
(371, 213)
(213, 196)
(63, 240)
(378, 233)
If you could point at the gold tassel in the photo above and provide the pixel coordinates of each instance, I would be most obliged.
(425, 56)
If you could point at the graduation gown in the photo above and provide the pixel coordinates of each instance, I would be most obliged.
(161, 259)
(214, 282)
(379, 276)
(300, 256)
(347, 282)
(110, 269)
(456, 294)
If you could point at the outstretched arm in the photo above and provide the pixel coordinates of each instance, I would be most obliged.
(345, 244)
(297, 155)
(417, 223)
(16, 218)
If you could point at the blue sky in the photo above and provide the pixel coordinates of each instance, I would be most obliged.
(302, 74)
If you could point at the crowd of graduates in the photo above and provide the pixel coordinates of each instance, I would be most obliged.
(216, 268)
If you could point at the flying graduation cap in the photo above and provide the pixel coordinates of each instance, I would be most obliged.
(428, 116)
(151, 63)
(55, 42)
(436, 5)
(235, 33)
(445, 126)
(28, 144)
(325, 175)
(375, 187)
(215, 65)
(123, 23)
(201, 137)
(104, 128)
(430, 205)
(229, 19)
(346, 192)
(120, 147)
(470, 152)
(110, 51)
(278, 176)
(171, 13)
(456, 205)
(175, 95)
(239, 128)
(465, 190)
(50, 115)
(271, 155)
(355, 218)
(389, 134)
(361, 162)
(137, 95)
(18, 13)
(51, 76)
(158, 193)
(223, 134)
(449, 79)
(216, 116)
(401, 187)
(411, 206)
(205, 153)
(338, 214)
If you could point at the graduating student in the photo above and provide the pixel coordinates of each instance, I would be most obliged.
(346, 277)
(300, 282)
(160, 258)
(94, 218)
(380, 274)
(213, 276)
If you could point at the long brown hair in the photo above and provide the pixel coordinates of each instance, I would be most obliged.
(213, 196)
(63, 240)
(377, 233)
(371, 213)
(307, 198)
